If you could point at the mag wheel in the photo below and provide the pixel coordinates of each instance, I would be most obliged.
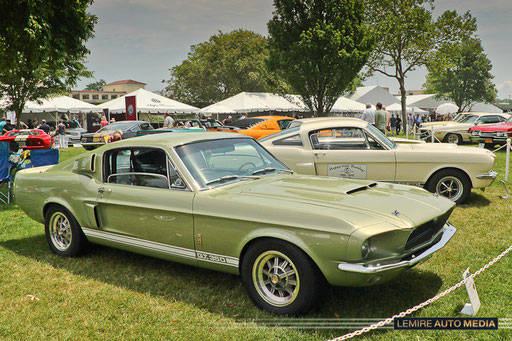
(453, 138)
(280, 278)
(451, 183)
(63, 234)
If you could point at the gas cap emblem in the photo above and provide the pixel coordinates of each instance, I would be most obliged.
(396, 213)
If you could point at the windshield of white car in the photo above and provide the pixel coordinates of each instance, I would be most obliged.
(383, 138)
(220, 162)
(294, 124)
(509, 120)
(282, 132)
(469, 119)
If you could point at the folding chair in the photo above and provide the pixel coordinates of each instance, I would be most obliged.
(5, 172)
(43, 157)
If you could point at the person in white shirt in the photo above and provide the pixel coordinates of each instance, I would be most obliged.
(368, 114)
(168, 121)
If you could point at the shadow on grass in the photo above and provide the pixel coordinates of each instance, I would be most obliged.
(224, 294)
(476, 199)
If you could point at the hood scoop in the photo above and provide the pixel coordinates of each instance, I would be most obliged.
(363, 188)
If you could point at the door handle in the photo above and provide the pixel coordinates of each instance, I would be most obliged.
(319, 154)
(102, 190)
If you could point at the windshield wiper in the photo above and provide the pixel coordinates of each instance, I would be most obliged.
(270, 169)
(230, 177)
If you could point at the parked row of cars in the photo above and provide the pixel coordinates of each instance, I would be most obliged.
(470, 126)
(288, 213)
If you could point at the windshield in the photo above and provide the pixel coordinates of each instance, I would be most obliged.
(469, 119)
(383, 138)
(294, 124)
(282, 132)
(509, 120)
(118, 125)
(219, 162)
(24, 133)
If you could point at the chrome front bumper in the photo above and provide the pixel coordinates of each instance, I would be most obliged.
(489, 175)
(448, 232)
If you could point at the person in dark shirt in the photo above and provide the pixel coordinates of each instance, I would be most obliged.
(44, 127)
(7, 127)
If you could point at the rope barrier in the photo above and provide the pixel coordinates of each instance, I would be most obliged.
(421, 305)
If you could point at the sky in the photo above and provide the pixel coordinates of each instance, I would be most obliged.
(142, 40)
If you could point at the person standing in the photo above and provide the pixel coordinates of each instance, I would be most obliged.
(61, 133)
(380, 118)
(104, 121)
(168, 121)
(228, 120)
(368, 114)
(44, 127)
(2, 123)
(392, 123)
(398, 124)
(7, 127)
(244, 116)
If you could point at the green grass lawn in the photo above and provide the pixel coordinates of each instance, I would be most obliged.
(109, 294)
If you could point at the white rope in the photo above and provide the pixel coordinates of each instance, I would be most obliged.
(421, 305)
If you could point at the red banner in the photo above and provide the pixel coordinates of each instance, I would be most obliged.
(131, 108)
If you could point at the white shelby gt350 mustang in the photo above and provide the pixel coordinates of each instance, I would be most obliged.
(351, 148)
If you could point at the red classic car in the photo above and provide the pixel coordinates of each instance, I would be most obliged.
(27, 139)
(492, 135)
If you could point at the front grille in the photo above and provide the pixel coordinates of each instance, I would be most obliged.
(425, 232)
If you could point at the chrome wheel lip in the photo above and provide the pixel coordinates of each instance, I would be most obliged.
(60, 232)
(450, 187)
(277, 283)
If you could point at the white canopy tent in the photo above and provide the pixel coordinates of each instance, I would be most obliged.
(397, 107)
(246, 102)
(486, 107)
(342, 104)
(149, 102)
(216, 109)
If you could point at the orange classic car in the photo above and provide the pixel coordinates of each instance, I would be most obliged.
(259, 126)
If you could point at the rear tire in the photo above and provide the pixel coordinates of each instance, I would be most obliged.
(452, 184)
(88, 147)
(453, 138)
(489, 146)
(280, 278)
(63, 234)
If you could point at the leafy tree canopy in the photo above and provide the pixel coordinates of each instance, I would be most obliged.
(461, 73)
(96, 86)
(223, 66)
(318, 47)
(408, 36)
(42, 44)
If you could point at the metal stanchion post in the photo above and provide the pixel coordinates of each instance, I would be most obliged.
(507, 162)
(432, 133)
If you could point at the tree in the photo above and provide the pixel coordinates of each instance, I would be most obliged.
(42, 44)
(318, 47)
(96, 86)
(226, 64)
(461, 73)
(408, 35)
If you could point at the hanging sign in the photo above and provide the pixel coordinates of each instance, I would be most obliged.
(131, 108)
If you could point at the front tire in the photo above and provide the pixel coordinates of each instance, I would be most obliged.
(453, 138)
(452, 184)
(280, 278)
(63, 234)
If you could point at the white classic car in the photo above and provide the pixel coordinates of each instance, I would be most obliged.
(457, 131)
(351, 148)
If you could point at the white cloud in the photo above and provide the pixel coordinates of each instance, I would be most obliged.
(504, 89)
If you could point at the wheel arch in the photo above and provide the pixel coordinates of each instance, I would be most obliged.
(432, 174)
(293, 241)
(61, 203)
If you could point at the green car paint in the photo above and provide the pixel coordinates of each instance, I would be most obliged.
(212, 227)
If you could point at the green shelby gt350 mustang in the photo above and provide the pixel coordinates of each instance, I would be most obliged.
(222, 202)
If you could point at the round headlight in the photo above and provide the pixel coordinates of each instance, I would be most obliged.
(365, 248)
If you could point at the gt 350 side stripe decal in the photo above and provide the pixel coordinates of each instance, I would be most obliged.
(162, 248)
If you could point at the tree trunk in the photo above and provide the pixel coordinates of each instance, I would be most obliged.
(403, 101)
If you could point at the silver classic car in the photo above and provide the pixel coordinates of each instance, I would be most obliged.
(352, 148)
(222, 202)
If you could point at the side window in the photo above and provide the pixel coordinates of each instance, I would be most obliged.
(293, 140)
(490, 119)
(283, 124)
(145, 126)
(345, 138)
(146, 167)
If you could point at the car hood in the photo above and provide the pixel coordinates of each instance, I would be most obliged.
(436, 123)
(445, 147)
(494, 127)
(365, 201)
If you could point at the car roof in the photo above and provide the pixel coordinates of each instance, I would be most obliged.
(174, 139)
(486, 114)
(321, 122)
(271, 117)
